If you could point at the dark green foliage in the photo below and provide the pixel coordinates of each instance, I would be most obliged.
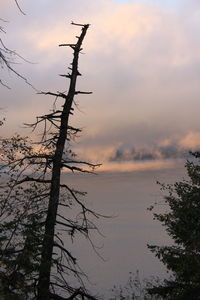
(182, 223)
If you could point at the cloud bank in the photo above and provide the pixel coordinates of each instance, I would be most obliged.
(142, 62)
(165, 149)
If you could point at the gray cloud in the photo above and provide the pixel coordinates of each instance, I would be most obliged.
(172, 151)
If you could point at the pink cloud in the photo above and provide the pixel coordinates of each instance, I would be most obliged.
(191, 141)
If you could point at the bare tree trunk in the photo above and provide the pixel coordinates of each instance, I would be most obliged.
(48, 241)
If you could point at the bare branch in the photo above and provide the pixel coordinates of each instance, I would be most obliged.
(73, 259)
(53, 94)
(30, 179)
(66, 76)
(79, 92)
(82, 25)
(19, 7)
(68, 45)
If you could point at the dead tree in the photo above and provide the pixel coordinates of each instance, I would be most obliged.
(38, 206)
(59, 119)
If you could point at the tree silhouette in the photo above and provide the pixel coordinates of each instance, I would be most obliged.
(38, 211)
(182, 222)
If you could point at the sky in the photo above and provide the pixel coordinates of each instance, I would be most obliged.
(141, 60)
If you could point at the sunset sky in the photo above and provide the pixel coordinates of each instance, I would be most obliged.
(142, 62)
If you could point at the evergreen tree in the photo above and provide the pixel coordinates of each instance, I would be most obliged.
(182, 223)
